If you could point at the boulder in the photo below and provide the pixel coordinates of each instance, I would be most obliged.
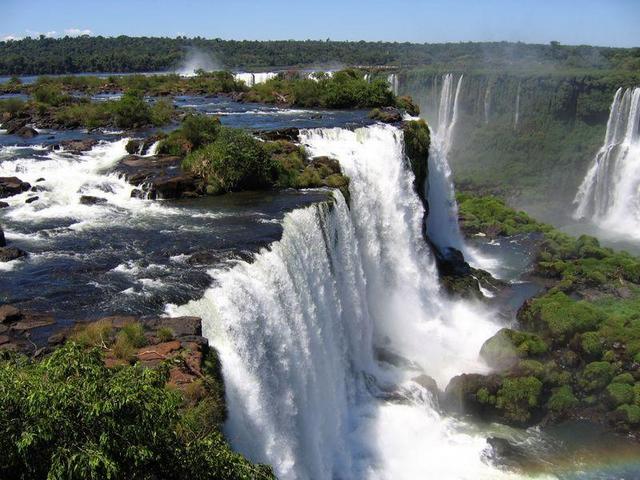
(386, 115)
(76, 147)
(461, 394)
(4, 204)
(158, 352)
(289, 134)
(504, 453)
(27, 132)
(32, 321)
(3, 242)
(14, 125)
(12, 186)
(180, 326)
(91, 200)
(32, 199)
(9, 313)
(11, 253)
(331, 164)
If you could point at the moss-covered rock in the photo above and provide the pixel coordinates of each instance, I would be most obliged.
(417, 141)
(596, 376)
(518, 398)
(562, 400)
(507, 346)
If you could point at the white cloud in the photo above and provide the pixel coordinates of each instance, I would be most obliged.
(34, 34)
(6, 38)
(76, 32)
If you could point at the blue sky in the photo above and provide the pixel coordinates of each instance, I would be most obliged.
(595, 22)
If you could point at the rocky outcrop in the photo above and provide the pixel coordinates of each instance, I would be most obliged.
(12, 186)
(288, 134)
(76, 146)
(16, 326)
(91, 200)
(159, 177)
(386, 115)
(11, 253)
(27, 132)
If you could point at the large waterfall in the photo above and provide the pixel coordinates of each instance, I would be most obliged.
(303, 331)
(610, 192)
(442, 223)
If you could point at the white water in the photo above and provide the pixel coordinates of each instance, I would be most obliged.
(392, 80)
(297, 330)
(516, 117)
(610, 192)
(67, 177)
(251, 79)
(442, 223)
(487, 102)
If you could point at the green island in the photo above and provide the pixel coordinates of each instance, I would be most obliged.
(575, 349)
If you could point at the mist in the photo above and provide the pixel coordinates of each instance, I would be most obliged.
(197, 59)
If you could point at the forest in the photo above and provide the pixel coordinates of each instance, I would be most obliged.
(35, 56)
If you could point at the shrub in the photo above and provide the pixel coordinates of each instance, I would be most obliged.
(631, 413)
(517, 397)
(596, 376)
(591, 344)
(95, 334)
(507, 345)
(165, 334)
(234, 161)
(162, 112)
(620, 393)
(68, 416)
(562, 399)
(131, 111)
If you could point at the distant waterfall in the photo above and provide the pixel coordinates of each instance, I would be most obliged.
(297, 330)
(392, 80)
(610, 192)
(516, 117)
(442, 223)
(487, 103)
(251, 79)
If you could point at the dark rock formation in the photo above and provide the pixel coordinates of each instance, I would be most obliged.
(4, 204)
(3, 242)
(11, 253)
(91, 200)
(12, 186)
(27, 132)
(31, 199)
(386, 115)
(159, 177)
(288, 134)
(76, 146)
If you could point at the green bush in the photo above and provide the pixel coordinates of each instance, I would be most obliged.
(131, 111)
(596, 376)
(507, 345)
(234, 161)
(162, 112)
(631, 413)
(70, 417)
(562, 399)
(518, 397)
(620, 393)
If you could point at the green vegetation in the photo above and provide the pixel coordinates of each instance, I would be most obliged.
(140, 54)
(417, 140)
(518, 397)
(589, 318)
(53, 107)
(69, 416)
(344, 89)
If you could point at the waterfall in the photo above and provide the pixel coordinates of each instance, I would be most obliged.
(298, 331)
(487, 102)
(392, 80)
(516, 117)
(610, 192)
(442, 223)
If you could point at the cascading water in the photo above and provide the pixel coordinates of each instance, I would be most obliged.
(487, 103)
(442, 223)
(298, 330)
(516, 117)
(251, 79)
(610, 192)
(392, 80)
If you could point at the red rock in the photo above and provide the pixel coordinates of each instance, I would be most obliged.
(158, 352)
(178, 377)
(4, 339)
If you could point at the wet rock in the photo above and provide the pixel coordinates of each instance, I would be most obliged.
(27, 132)
(13, 125)
(39, 188)
(11, 253)
(4, 204)
(12, 186)
(31, 199)
(41, 179)
(428, 383)
(386, 115)
(76, 147)
(392, 358)
(289, 134)
(91, 200)
(3, 242)
(32, 321)
(460, 395)
(9, 313)
(158, 177)
(180, 326)
(4, 339)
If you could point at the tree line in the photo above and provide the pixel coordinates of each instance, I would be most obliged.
(37, 56)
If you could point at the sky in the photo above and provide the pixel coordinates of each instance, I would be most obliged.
(593, 22)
